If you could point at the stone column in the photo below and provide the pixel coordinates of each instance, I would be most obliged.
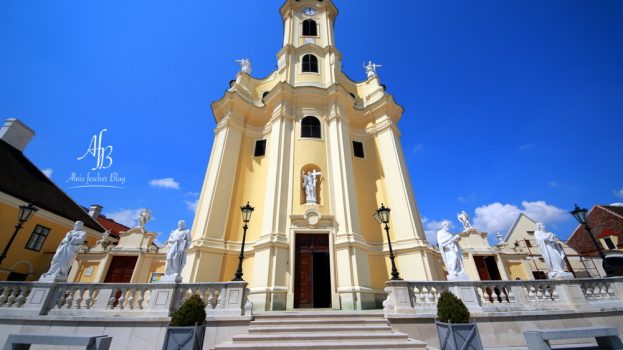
(271, 250)
(205, 255)
(353, 275)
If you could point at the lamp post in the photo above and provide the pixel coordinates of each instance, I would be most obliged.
(247, 210)
(580, 215)
(25, 212)
(382, 216)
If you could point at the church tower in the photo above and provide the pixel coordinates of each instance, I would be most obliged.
(316, 154)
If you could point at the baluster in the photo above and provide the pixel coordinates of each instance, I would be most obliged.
(510, 295)
(140, 299)
(482, 293)
(5, 296)
(430, 297)
(532, 293)
(604, 291)
(12, 297)
(113, 298)
(69, 299)
(88, 301)
(539, 293)
(21, 298)
(219, 300)
(121, 300)
(210, 303)
(131, 292)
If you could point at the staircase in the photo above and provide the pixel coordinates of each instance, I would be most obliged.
(321, 330)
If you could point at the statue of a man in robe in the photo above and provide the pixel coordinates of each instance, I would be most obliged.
(552, 252)
(178, 242)
(309, 184)
(245, 65)
(451, 252)
(65, 254)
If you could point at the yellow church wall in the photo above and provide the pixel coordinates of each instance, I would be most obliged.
(310, 151)
(89, 268)
(379, 270)
(230, 265)
(22, 260)
(381, 190)
(250, 187)
(516, 269)
(367, 185)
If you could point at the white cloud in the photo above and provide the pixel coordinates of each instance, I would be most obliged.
(432, 226)
(553, 184)
(619, 193)
(498, 217)
(128, 217)
(525, 146)
(167, 182)
(48, 172)
(192, 205)
(195, 194)
(616, 204)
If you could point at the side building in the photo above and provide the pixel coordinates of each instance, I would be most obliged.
(22, 183)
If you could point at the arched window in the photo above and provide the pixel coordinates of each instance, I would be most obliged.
(310, 28)
(310, 63)
(310, 127)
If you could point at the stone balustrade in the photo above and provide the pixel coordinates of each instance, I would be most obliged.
(411, 298)
(223, 300)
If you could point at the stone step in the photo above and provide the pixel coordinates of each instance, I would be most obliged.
(319, 320)
(305, 337)
(381, 345)
(254, 329)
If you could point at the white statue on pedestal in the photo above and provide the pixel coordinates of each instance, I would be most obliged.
(552, 252)
(451, 253)
(245, 65)
(178, 242)
(65, 254)
(309, 184)
(371, 68)
(464, 219)
(143, 217)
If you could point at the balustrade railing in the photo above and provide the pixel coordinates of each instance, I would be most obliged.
(228, 299)
(420, 297)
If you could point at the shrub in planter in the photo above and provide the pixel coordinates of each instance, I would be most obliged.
(454, 329)
(190, 313)
(187, 329)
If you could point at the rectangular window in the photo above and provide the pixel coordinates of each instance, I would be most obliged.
(37, 238)
(358, 149)
(609, 243)
(260, 148)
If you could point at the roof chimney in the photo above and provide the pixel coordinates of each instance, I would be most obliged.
(16, 133)
(95, 211)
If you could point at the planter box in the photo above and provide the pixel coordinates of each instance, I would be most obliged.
(458, 336)
(184, 338)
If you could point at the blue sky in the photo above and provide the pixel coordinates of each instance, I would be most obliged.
(510, 106)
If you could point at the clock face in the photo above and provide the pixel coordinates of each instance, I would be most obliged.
(309, 11)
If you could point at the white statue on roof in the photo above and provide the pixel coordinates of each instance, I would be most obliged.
(245, 65)
(464, 219)
(552, 252)
(371, 69)
(143, 217)
(65, 254)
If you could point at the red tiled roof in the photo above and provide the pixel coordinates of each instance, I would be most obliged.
(604, 220)
(111, 225)
(607, 233)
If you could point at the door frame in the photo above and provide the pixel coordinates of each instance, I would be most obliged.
(335, 301)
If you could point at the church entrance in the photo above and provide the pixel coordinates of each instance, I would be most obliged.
(121, 269)
(312, 279)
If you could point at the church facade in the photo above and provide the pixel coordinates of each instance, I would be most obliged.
(315, 154)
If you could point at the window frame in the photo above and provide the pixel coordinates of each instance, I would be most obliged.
(363, 149)
(36, 241)
(315, 29)
(319, 128)
(255, 155)
(311, 64)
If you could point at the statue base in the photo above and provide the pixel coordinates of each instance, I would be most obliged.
(170, 279)
(461, 277)
(560, 275)
(45, 278)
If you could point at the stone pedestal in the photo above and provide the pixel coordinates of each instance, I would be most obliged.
(171, 279)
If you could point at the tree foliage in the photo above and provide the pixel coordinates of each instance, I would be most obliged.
(451, 309)
(190, 313)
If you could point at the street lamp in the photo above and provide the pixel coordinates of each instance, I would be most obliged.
(580, 215)
(382, 216)
(247, 210)
(25, 212)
